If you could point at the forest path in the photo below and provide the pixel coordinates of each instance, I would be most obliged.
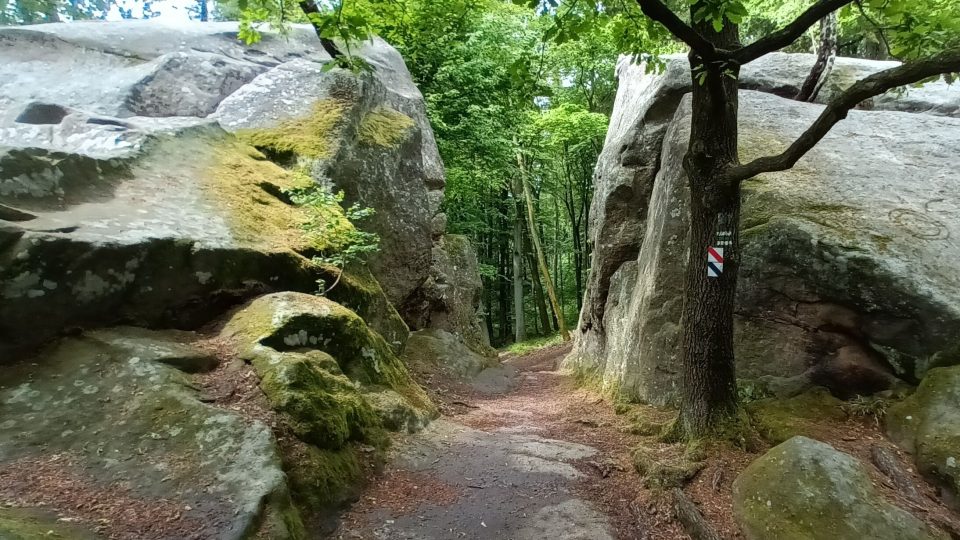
(543, 459)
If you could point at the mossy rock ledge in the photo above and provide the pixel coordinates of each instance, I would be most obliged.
(326, 370)
(927, 424)
(806, 489)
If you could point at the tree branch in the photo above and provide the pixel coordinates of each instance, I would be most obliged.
(658, 11)
(788, 34)
(837, 109)
(308, 7)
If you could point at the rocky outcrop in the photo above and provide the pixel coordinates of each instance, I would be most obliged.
(927, 424)
(318, 361)
(844, 282)
(449, 300)
(160, 186)
(88, 238)
(105, 418)
(830, 495)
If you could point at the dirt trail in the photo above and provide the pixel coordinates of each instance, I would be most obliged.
(543, 459)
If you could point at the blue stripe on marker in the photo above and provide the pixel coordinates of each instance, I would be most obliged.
(715, 268)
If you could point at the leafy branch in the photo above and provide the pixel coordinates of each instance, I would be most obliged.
(347, 243)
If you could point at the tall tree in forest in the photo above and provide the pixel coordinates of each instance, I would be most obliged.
(538, 248)
(714, 172)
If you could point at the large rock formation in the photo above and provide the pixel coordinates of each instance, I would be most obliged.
(845, 281)
(148, 178)
(132, 177)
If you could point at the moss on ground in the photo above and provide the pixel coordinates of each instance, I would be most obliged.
(777, 420)
(313, 136)
(25, 524)
(384, 127)
(533, 344)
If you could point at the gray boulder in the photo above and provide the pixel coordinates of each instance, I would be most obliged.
(449, 300)
(86, 236)
(439, 350)
(845, 280)
(807, 489)
(927, 424)
(91, 419)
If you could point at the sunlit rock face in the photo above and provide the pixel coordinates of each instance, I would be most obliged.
(143, 170)
(846, 280)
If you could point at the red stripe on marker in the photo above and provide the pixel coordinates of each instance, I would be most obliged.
(716, 256)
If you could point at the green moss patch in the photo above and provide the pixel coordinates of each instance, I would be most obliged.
(299, 322)
(319, 404)
(384, 127)
(780, 419)
(24, 524)
(313, 136)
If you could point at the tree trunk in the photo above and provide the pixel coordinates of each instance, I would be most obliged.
(538, 296)
(709, 396)
(520, 333)
(826, 56)
(204, 13)
(541, 260)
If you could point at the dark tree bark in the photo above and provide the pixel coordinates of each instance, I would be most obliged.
(709, 393)
(204, 12)
(826, 56)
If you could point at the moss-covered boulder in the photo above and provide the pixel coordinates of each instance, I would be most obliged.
(806, 489)
(298, 323)
(927, 424)
(439, 350)
(780, 419)
(89, 419)
(87, 240)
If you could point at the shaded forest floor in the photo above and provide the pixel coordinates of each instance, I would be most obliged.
(549, 458)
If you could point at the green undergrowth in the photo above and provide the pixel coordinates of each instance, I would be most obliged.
(533, 344)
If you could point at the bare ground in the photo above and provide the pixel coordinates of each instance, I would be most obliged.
(445, 484)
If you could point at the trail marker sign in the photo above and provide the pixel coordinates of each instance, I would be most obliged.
(714, 261)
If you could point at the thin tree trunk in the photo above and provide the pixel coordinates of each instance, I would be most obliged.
(204, 13)
(826, 56)
(541, 260)
(520, 333)
(708, 395)
(538, 297)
